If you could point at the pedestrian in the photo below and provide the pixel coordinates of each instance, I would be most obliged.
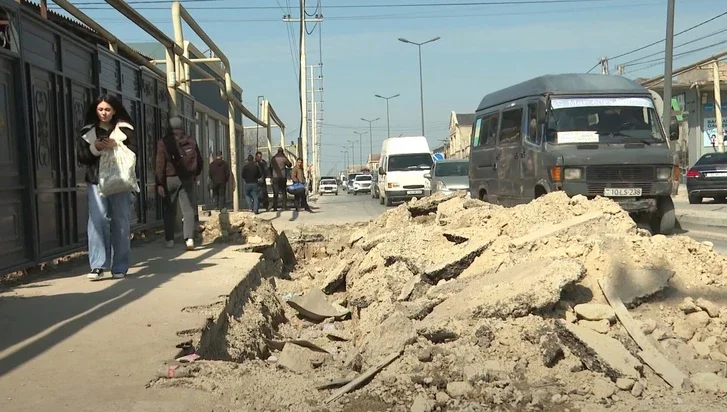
(265, 170)
(220, 177)
(109, 217)
(278, 178)
(299, 177)
(251, 175)
(178, 163)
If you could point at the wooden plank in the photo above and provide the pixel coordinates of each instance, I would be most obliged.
(649, 354)
(363, 377)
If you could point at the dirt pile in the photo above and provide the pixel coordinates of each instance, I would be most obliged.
(489, 308)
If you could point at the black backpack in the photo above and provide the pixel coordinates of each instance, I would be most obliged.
(184, 155)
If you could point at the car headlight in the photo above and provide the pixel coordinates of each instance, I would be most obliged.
(441, 185)
(663, 173)
(572, 173)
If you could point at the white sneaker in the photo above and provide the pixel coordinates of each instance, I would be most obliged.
(190, 244)
(169, 244)
(119, 275)
(95, 274)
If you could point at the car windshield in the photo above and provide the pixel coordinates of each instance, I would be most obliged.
(607, 121)
(363, 178)
(419, 161)
(328, 182)
(451, 169)
(712, 159)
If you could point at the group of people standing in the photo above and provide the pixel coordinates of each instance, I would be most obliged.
(256, 171)
(178, 165)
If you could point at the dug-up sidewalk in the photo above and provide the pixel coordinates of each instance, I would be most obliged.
(709, 213)
(68, 344)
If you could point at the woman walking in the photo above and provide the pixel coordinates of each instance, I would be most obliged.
(107, 124)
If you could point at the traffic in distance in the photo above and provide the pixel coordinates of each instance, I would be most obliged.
(590, 135)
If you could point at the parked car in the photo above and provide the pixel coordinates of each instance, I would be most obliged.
(328, 186)
(448, 176)
(362, 183)
(708, 178)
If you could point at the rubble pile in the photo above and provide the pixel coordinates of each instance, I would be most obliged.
(449, 303)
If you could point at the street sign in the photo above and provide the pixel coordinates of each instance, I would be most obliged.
(438, 156)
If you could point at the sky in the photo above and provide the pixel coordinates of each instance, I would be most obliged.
(483, 48)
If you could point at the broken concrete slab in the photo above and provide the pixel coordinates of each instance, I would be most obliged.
(299, 359)
(392, 335)
(556, 228)
(428, 204)
(708, 306)
(599, 353)
(459, 260)
(515, 292)
(595, 312)
(336, 278)
(314, 306)
(639, 284)
(370, 243)
(601, 326)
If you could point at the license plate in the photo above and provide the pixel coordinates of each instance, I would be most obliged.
(718, 174)
(414, 192)
(616, 192)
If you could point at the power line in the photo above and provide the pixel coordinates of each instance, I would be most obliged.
(142, 3)
(683, 53)
(631, 62)
(677, 34)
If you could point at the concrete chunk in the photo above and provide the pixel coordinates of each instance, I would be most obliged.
(638, 284)
(595, 311)
(599, 353)
(336, 277)
(554, 229)
(459, 260)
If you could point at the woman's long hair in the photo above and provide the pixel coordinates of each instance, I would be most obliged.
(120, 113)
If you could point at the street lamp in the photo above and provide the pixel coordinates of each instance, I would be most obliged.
(371, 137)
(388, 129)
(345, 159)
(360, 150)
(353, 153)
(421, 82)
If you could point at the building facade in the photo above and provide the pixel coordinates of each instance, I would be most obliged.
(460, 132)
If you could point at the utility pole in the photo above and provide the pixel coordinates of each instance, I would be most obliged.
(345, 160)
(353, 155)
(620, 69)
(302, 79)
(668, 54)
(604, 65)
(718, 106)
(314, 139)
(421, 81)
(360, 148)
(371, 137)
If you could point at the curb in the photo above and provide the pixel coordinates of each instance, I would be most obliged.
(693, 220)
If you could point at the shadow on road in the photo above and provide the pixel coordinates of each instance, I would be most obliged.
(61, 316)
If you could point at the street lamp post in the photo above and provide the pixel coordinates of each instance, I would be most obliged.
(421, 81)
(353, 153)
(345, 160)
(371, 137)
(360, 149)
(388, 128)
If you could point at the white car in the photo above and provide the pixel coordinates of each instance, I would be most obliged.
(328, 186)
(362, 183)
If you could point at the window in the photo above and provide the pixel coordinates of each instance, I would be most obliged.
(489, 129)
(511, 126)
(476, 132)
(532, 124)
(712, 159)
(363, 178)
(419, 161)
(451, 169)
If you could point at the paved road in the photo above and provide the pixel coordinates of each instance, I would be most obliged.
(330, 209)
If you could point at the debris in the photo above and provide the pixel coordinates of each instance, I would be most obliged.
(554, 229)
(652, 357)
(708, 306)
(188, 358)
(280, 344)
(362, 378)
(600, 326)
(300, 359)
(688, 306)
(709, 382)
(174, 371)
(595, 312)
(458, 261)
(603, 389)
(314, 306)
(336, 278)
(424, 355)
(641, 283)
(625, 384)
(336, 383)
(550, 349)
(459, 389)
(598, 352)
(421, 404)
(637, 389)
(648, 326)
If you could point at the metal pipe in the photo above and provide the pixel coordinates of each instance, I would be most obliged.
(131, 14)
(133, 54)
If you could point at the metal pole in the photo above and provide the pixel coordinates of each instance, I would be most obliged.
(668, 54)
(371, 142)
(303, 91)
(421, 87)
(388, 128)
(718, 106)
(360, 146)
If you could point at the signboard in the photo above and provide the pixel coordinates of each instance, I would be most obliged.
(710, 129)
(604, 102)
(709, 107)
(438, 157)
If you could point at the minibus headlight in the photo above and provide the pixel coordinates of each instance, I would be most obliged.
(572, 173)
(664, 173)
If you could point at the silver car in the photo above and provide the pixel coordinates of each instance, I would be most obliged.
(449, 176)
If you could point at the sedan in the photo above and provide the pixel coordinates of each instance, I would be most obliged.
(449, 176)
(708, 178)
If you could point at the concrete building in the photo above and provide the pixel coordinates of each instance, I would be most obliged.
(460, 131)
(693, 90)
(372, 163)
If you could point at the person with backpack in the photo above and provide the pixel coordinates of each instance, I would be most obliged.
(178, 163)
(219, 172)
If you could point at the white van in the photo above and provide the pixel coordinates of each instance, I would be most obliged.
(403, 164)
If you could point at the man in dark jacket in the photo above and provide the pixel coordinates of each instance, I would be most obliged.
(178, 163)
(265, 170)
(251, 176)
(220, 177)
(278, 165)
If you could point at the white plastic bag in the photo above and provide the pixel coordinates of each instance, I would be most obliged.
(117, 171)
